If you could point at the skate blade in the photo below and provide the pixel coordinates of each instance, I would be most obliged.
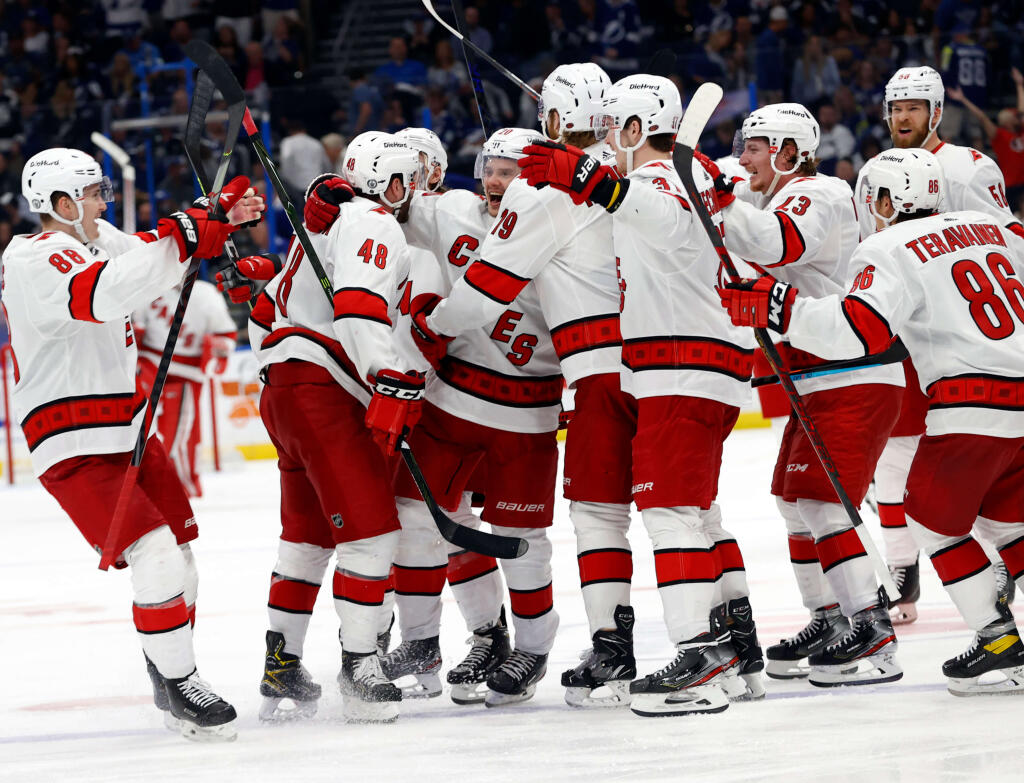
(703, 700)
(495, 699)
(735, 689)
(880, 669)
(903, 614)
(225, 732)
(1010, 684)
(171, 723)
(469, 693)
(358, 711)
(787, 670)
(753, 685)
(425, 686)
(614, 693)
(272, 712)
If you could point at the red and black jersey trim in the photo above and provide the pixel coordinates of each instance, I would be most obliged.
(80, 413)
(263, 312)
(793, 244)
(681, 352)
(1016, 228)
(361, 303)
(977, 391)
(586, 334)
(512, 391)
(494, 282)
(867, 323)
(82, 290)
(332, 347)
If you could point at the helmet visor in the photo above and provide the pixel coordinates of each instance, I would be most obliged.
(495, 166)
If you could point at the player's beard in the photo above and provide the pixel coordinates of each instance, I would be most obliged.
(914, 140)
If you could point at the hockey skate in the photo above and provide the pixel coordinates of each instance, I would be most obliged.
(204, 716)
(1006, 588)
(787, 659)
(739, 619)
(383, 643)
(516, 679)
(994, 663)
(603, 677)
(367, 695)
(420, 658)
(722, 650)
(160, 700)
(689, 685)
(903, 610)
(490, 648)
(864, 655)
(284, 677)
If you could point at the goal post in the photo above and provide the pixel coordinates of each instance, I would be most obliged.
(121, 158)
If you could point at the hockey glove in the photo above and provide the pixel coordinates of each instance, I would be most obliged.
(432, 345)
(216, 350)
(236, 279)
(324, 197)
(569, 168)
(395, 407)
(202, 233)
(761, 303)
(723, 188)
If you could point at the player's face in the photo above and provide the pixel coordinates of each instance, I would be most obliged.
(498, 175)
(435, 172)
(757, 160)
(93, 206)
(908, 123)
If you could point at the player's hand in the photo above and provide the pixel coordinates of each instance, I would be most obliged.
(723, 188)
(570, 169)
(324, 197)
(955, 93)
(395, 407)
(216, 350)
(249, 211)
(761, 303)
(432, 345)
(199, 232)
(236, 279)
(1018, 77)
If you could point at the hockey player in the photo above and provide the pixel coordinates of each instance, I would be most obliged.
(567, 253)
(949, 285)
(688, 371)
(205, 342)
(337, 401)
(68, 293)
(806, 233)
(432, 154)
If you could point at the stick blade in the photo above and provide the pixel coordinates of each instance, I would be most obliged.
(702, 105)
(209, 59)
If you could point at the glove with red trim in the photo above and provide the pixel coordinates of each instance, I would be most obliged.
(432, 345)
(216, 350)
(200, 233)
(570, 169)
(324, 197)
(395, 407)
(723, 189)
(761, 303)
(235, 280)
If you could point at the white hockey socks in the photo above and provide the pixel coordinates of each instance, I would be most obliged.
(294, 585)
(360, 581)
(1008, 540)
(529, 588)
(474, 578)
(843, 560)
(732, 574)
(604, 559)
(815, 590)
(191, 581)
(421, 561)
(890, 483)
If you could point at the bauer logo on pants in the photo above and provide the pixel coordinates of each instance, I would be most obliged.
(531, 508)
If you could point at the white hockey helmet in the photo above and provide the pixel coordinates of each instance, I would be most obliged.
(920, 83)
(653, 99)
(575, 91)
(426, 141)
(912, 177)
(504, 143)
(62, 170)
(778, 122)
(374, 158)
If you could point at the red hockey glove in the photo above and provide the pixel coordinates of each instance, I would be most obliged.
(570, 169)
(324, 196)
(216, 350)
(433, 346)
(723, 189)
(235, 279)
(395, 407)
(201, 233)
(762, 303)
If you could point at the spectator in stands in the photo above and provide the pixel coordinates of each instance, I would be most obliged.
(417, 31)
(622, 36)
(815, 75)
(282, 57)
(37, 37)
(10, 116)
(713, 15)
(177, 183)
(302, 157)
(255, 73)
(771, 56)
(181, 34)
(399, 69)
(229, 48)
(275, 10)
(141, 52)
(334, 150)
(476, 32)
(445, 72)
(868, 89)
(239, 15)
(710, 65)
(964, 65)
(365, 104)
(846, 171)
(836, 139)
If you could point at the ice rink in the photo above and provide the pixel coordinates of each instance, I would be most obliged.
(76, 701)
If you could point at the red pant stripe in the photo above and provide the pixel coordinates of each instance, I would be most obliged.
(467, 566)
(802, 549)
(292, 595)
(838, 548)
(529, 604)
(892, 515)
(1013, 556)
(728, 552)
(960, 561)
(605, 565)
(423, 580)
(359, 589)
(160, 618)
(681, 566)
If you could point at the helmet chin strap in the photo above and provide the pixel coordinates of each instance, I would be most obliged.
(779, 173)
(628, 150)
(76, 223)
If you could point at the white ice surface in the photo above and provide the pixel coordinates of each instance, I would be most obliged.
(76, 706)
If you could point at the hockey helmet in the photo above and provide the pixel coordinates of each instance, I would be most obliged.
(426, 141)
(920, 83)
(575, 91)
(374, 158)
(780, 121)
(653, 99)
(912, 177)
(504, 143)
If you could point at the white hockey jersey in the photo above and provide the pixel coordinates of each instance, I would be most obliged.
(950, 286)
(367, 262)
(68, 306)
(805, 236)
(504, 374)
(676, 339)
(540, 235)
(207, 314)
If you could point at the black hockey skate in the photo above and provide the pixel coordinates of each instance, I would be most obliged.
(160, 700)
(903, 610)
(997, 651)
(516, 679)
(204, 716)
(864, 655)
(490, 648)
(420, 658)
(1006, 588)
(739, 620)
(786, 660)
(284, 677)
(367, 694)
(689, 685)
(725, 653)
(606, 669)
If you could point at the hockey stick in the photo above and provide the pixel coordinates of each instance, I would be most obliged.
(429, 5)
(474, 74)
(196, 121)
(702, 105)
(478, 541)
(896, 352)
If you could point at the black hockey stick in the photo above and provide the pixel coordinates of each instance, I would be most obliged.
(478, 541)
(474, 75)
(698, 112)
(195, 124)
(896, 352)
